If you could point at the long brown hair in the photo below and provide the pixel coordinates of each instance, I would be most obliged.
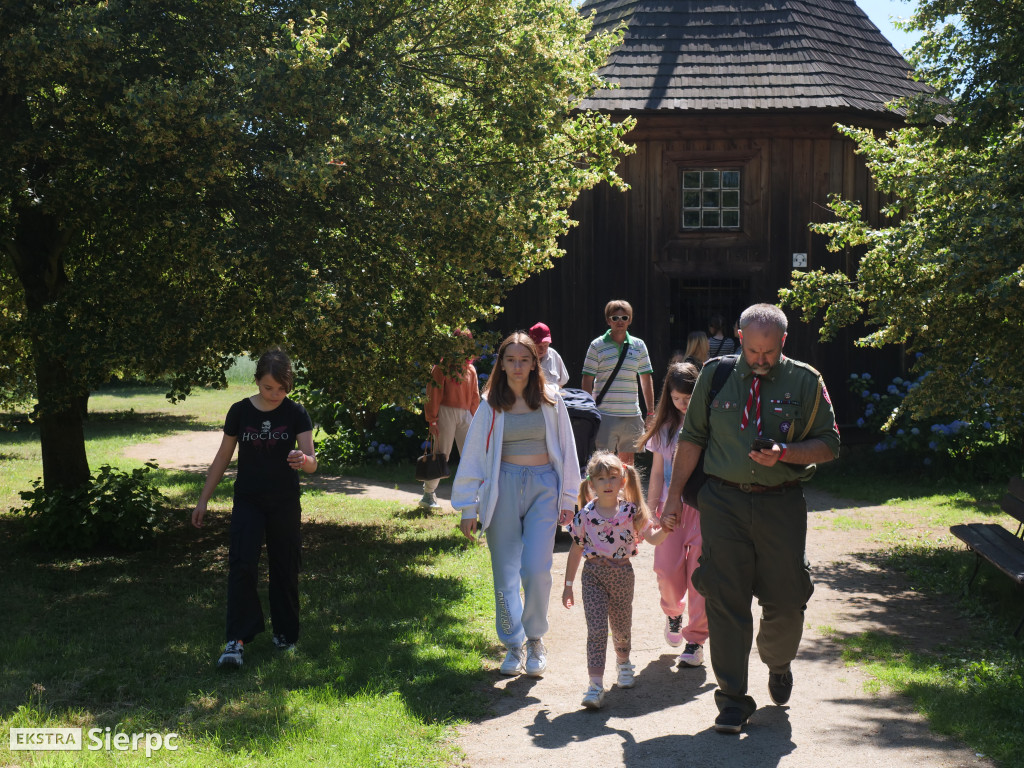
(606, 462)
(681, 377)
(497, 391)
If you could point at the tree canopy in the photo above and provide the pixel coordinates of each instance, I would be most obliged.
(946, 279)
(184, 180)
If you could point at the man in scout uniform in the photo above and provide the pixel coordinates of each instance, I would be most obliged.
(752, 512)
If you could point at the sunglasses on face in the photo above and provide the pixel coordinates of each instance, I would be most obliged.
(619, 318)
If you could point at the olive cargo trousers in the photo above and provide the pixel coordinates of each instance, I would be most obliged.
(753, 546)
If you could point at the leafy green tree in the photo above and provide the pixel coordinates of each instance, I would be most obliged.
(946, 277)
(183, 180)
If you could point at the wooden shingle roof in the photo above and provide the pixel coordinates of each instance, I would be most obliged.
(747, 55)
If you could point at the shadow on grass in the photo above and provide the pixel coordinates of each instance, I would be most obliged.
(924, 634)
(134, 637)
(107, 424)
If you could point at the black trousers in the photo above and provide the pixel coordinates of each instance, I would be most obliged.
(253, 520)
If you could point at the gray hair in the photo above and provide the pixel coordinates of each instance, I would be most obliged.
(764, 316)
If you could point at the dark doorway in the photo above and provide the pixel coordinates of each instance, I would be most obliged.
(695, 300)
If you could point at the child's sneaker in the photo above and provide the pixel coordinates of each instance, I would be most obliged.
(514, 662)
(674, 630)
(282, 644)
(692, 655)
(626, 674)
(232, 656)
(594, 697)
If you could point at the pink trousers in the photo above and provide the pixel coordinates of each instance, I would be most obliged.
(675, 560)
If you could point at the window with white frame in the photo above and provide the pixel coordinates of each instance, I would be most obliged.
(711, 198)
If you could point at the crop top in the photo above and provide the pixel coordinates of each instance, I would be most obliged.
(524, 434)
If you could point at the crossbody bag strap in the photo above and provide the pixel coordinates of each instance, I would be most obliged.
(618, 366)
(814, 413)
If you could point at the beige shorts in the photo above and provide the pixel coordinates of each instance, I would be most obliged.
(619, 434)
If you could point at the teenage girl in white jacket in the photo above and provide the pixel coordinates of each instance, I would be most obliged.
(518, 477)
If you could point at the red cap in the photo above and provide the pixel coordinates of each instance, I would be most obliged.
(540, 333)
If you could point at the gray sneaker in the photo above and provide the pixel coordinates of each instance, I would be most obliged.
(232, 656)
(536, 658)
(514, 661)
(429, 501)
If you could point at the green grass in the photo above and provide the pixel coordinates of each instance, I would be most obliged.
(397, 618)
(970, 693)
(971, 688)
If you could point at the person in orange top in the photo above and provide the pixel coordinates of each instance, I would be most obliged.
(451, 403)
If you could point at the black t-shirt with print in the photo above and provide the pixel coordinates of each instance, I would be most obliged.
(264, 440)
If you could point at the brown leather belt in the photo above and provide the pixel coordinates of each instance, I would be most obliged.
(755, 488)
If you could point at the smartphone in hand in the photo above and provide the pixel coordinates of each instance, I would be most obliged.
(763, 443)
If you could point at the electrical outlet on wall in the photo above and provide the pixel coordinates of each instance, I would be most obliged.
(799, 261)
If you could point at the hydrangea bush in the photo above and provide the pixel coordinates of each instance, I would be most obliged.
(977, 444)
(354, 437)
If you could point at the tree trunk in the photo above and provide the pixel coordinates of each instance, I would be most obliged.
(61, 435)
(37, 252)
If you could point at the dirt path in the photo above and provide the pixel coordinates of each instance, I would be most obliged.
(832, 719)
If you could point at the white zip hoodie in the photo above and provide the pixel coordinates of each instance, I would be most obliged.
(479, 463)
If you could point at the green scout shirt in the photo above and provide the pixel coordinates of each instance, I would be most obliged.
(788, 394)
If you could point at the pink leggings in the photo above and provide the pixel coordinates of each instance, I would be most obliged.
(607, 587)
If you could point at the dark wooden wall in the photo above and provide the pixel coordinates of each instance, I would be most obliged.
(629, 245)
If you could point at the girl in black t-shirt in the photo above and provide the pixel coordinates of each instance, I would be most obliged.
(266, 428)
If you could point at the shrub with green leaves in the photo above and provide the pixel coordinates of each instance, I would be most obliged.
(982, 446)
(114, 509)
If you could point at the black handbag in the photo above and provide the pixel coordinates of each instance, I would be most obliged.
(698, 477)
(432, 465)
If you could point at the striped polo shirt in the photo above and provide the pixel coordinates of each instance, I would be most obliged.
(622, 398)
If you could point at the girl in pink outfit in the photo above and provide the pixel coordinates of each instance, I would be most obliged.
(607, 532)
(675, 559)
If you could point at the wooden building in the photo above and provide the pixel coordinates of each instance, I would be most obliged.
(736, 103)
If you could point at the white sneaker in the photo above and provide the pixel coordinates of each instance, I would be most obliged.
(594, 697)
(536, 658)
(626, 674)
(674, 630)
(429, 501)
(232, 656)
(513, 663)
(692, 655)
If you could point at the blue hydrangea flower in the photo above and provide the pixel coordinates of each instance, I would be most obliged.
(879, 447)
(927, 461)
(387, 457)
(932, 445)
(409, 433)
(897, 380)
(900, 432)
(893, 389)
(373, 443)
(865, 375)
(860, 422)
(424, 444)
(987, 424)
(915, 431)
(865, 394)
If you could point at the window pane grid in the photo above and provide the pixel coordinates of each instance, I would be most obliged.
(710, 198)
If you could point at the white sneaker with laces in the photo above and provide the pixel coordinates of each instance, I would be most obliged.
(232, 656)
(513, 663)
(594, 697)
(429, 501)
(674, 630)
(536, 658)
(692, 655)
(626, 673)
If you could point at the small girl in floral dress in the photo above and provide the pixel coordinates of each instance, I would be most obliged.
(607, 532)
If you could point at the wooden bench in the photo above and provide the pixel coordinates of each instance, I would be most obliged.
(993, 542)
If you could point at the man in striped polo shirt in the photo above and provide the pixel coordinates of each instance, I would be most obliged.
(621, 420)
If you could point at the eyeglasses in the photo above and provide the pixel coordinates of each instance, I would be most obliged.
(619, 318)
